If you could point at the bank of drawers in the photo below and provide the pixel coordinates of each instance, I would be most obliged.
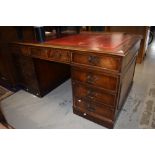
(94, 89)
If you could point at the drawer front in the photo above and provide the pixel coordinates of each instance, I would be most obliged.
(40, 52)
(59, 55)
(97, 95)
(51, 54)
(100, 80)
(102, 61)
(93, 108)
(25, 50)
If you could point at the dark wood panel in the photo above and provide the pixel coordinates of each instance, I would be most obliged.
(40, 76)
(3, 73)
(26, 74)
(7, 76)
(50, 74)
(7, 70)
(126, 83)
(132, 52)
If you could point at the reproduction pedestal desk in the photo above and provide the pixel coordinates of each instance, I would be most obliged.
(102, 69)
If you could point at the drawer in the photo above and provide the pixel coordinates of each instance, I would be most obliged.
(24, 50)
(51, 54)
(59, 55)
(102, 61)
(40, 52)
(85, 92)
(93, 108)
(102, 80)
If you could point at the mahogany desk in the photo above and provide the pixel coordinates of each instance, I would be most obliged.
(102, 69)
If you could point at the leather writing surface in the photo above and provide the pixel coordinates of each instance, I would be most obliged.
(105, 41)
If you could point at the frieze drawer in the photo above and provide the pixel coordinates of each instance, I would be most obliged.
(40, 52)
(59, 55)
(86, 92)
(105, 62)
(105, 81)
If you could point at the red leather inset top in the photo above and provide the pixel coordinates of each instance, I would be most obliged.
(105, 41)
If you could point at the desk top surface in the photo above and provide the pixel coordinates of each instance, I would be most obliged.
(116, 43)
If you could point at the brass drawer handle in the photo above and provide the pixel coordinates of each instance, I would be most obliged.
(93, 60)
(90, 108)
(90, 94)
(91, 78)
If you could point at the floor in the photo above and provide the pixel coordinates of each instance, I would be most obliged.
(24, 110)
